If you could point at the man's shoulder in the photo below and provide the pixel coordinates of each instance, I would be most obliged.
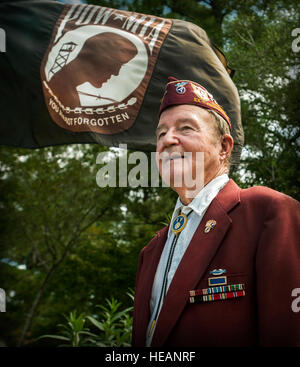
(263, 193)
(258, 202)
(266, 198)
(255, 196)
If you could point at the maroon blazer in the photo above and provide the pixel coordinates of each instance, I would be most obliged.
(257, 240)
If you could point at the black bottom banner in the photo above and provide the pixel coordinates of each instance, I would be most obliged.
(149, 356)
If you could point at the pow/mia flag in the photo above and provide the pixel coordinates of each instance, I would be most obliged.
(91, 74)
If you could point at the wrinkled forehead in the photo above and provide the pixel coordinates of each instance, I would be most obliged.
(184, 113)
(163, 125)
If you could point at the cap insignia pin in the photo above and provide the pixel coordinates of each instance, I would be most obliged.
(180, 89)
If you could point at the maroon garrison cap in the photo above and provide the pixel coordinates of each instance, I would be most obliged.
(179, 92)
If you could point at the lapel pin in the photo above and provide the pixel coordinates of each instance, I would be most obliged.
(210, 224)
(217, 272)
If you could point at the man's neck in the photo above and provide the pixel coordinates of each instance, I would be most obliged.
(187, 194)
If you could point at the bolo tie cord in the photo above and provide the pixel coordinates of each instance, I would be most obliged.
(165, 279)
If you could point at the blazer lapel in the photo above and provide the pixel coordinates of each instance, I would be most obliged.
(195, 261)
(142, 297)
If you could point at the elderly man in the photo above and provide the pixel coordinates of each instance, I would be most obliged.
(227, 269)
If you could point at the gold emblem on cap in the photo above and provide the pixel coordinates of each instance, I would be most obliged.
(201, 93)
(210, 224)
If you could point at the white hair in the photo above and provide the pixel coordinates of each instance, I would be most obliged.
(221, 128)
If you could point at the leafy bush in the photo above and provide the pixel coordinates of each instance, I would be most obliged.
(112, 330)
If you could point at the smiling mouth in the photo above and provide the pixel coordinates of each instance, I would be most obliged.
(173, 157)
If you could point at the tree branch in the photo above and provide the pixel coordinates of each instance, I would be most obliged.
(55, 265)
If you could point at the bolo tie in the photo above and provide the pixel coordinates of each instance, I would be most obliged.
(178, 225)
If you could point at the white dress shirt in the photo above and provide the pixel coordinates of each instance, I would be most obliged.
(198, 207)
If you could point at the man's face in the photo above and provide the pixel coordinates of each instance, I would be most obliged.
(187, 128)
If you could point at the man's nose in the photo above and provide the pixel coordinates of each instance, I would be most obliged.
(170, 138)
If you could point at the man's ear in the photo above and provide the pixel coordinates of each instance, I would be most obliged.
(226, 146)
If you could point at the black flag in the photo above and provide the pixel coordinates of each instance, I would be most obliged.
(91, 74)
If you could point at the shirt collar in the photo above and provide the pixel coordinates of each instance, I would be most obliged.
(204, 197)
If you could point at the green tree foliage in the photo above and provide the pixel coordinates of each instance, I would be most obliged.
(259, 45)
(56, 209)
(67, 244)
(68, 241)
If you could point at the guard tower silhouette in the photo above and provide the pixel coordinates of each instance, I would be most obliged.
(62, 57)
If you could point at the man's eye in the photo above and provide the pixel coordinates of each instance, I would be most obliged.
(161, 134)
(186, 127)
